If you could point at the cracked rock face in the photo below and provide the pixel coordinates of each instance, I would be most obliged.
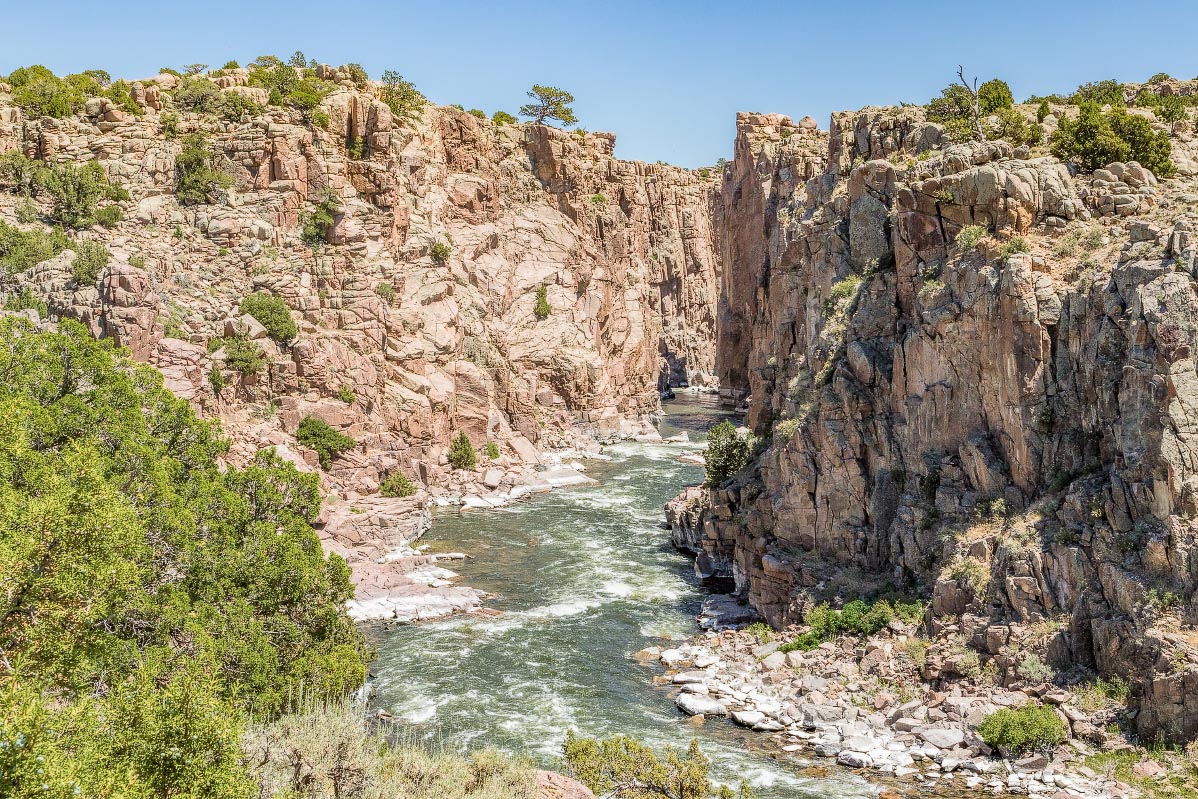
(912, 385)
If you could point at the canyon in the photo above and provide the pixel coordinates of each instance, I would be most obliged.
(1004, 427)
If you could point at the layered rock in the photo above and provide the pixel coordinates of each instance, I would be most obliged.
(940, 412)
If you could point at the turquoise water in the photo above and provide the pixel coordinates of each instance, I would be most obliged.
(584, 577)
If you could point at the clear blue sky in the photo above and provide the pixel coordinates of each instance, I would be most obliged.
(666, 77)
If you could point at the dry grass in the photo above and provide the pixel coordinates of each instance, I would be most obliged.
(327, 752)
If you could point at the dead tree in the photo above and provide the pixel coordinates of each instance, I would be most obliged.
(973, 94)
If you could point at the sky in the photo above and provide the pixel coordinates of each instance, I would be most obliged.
(666, 77)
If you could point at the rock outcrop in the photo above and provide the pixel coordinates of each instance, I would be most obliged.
(1006, 425)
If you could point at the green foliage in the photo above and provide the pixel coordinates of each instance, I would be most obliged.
(243, 355)
(397, 484)
(197, 180)
(355, 148)
(358, 75)
(1013, 245)
(315, 434)
(39, 93)
(1101, 694)
(273, 314)
(320, 119)
(599, 199)
(316, 226)
(1011, 126)
(1042, 111)
(169, 123)
(623, 768)
(231, 65)
(202, 96)
(503, 118)
(994, 95)
(110, 215)
(541, 308)
(21, 249)
(306, 95)
(216, 379)
(1026, 729)
(492, 450)
(402, 97)
(386, 291)
(761, 631)
(954, 110)
(855, 618)
(462, 454)
(26, 211)
(346, 394)
(25, 176)
(332, 749)
(190, 70)
(1032, 668)
(440, 251)
(297, 60)
(477, 112)
(726, 453)
(971, 574)
(90, 259)
(1096, 139)
(1104, 92)
(969, 236)
(26, 300)
(151, 599)
(76, 191)
(549, 102)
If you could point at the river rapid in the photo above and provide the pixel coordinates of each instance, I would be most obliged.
(584, 578)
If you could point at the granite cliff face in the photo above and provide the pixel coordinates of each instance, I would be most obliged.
(1007, 427)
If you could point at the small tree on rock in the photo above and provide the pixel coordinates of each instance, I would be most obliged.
(549, 102)
(726, 453)
(462, 454)
(542, 309)
(401, 96)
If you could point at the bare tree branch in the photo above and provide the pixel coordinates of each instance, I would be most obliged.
(973, 93)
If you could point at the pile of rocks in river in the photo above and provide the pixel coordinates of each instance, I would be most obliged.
(859, 702)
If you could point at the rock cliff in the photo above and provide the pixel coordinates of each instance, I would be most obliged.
(1004, 421)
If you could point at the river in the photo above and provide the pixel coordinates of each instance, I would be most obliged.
(584, 577)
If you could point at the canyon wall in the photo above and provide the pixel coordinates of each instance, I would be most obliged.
(1006, 425)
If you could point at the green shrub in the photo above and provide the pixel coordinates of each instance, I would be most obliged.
(216, 379)
(624, 768)
(39, 93)
(319, 119)
(855, 618)
(346, 395)
(386, 291)
(231, 65)
(492, 450)
(1034, 669)
(397, 484)
(971, 574)
(549, 102)
(76, 190)
(1104, 92)
(328, 443)
(541, 307)
(1010, 126)
(316, 226)
(477, 112)
(154, 599)
(26, 211)
(760, 631)
(110, 215)
(355, 148)
(24, 249)
(243, 355)
(196, 179)
(440, 251)
(401, 97)
(90, 259)
(26, 301)
(599, 199)
(1043, 111)
(273, 314)
(503, 118)
(1013, 245)
(970, 235)
(1096, 139)
(26, 176)
(726, 453)
(994, 95)
(1026, 729)
(462, 454)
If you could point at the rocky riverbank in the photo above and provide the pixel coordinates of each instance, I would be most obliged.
(861, 703)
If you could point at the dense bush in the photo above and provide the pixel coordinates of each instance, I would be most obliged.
(316, 226)
(23, 249)
(492, 450)
(461, 453)
(315, 434)
(26, 300)
(77, 190)
(397, 484)
(726, 453)
(440, 251)
(110, 215)
(242, 355)
(273, 314)
(196, 178)
(994, 95)
(152, 599)
(502, 118)
(855, 618)
(1096, 139)
(954, 110)
(346, 395)
(970, 235)
(90, 259)
(624, 768)
(541, 309)
(39, 93)
(25, 176)
(1026, 729)
(1103, 92)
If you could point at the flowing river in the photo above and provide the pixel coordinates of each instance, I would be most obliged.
(584, 577)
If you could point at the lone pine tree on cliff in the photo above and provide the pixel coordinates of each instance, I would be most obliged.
(550, 102)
